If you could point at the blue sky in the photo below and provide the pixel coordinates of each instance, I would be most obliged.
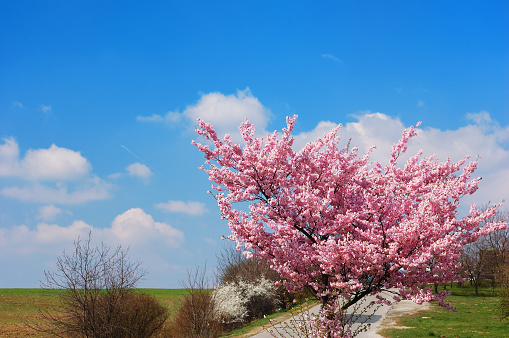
(98, 101)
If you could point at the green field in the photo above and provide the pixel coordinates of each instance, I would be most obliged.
(21, 306)
(476, 316)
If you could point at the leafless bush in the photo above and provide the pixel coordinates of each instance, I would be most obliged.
(233, 266)
(96, 292)
(196, 314)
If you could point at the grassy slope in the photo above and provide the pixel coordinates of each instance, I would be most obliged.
(477, 316)
(18, 306)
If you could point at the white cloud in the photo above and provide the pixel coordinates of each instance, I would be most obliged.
(303, 138)
(190, 208)
(224, 112)
(135, 225)
(91, 189)
(227, 112)
(171, 117)
(132, 228)
(135, 170)
(45, 109)
(17, 104)
(53, 233)
(371, 129)
(9, 158)
(115, 176)
(54, 175)
(484, 137)
(27, 252)
(49, 212)
(54, 163)
(152, 118)
(139, 170)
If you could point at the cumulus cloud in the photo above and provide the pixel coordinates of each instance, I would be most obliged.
(225, 112)
(133, 228)
(91, 189)
(52, 176)
(171, 117)
(49, 212)
(53, 233)
(371, 129)
(139, 170)
(190, 207)
(9, 158)
(482, 137)
(21, 240)
(54, 163)
(136, 169)
(135, 225)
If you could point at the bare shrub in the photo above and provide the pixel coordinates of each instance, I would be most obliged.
(234, 266)
(140, 315)
(196, 314)
(96, 295)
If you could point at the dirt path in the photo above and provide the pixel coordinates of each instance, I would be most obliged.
(403, 308)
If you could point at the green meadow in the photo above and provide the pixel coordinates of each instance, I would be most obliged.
(21, 306)
(476, 316)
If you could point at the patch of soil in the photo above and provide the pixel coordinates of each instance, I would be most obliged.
(403, 308)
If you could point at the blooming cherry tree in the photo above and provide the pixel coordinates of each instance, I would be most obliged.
(330, 220)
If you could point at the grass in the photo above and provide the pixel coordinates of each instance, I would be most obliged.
(476, 316)
(168, 297)
(18, 306)
(265, 322)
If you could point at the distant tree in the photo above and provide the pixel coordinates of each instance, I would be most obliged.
(474, 263)
(97, 297)
(504, 294)
(487, 258)
(498, 243)
(325, 218)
